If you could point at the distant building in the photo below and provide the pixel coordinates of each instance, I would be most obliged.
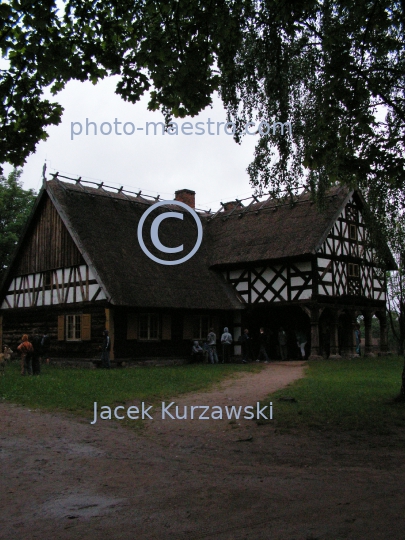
(79, 269)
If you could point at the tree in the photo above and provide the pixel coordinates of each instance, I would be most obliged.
(396, 311)
(332, 68)
(15, 206)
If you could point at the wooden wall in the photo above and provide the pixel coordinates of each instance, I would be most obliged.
(48, 244)
(25, 320)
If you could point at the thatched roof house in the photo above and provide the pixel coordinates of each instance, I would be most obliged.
(80, 267)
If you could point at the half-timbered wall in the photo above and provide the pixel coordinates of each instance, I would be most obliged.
(53, 287)
(48, 245)
(276, 283)
(346, 262)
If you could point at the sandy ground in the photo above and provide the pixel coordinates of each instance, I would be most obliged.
(63, 478)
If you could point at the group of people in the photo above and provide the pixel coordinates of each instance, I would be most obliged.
(208, 350)
(32, 350)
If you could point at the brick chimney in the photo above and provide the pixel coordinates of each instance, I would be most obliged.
(186, 196)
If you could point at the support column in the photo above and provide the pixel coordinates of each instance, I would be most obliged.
(334, 336)
(314, 314)
(368, 346)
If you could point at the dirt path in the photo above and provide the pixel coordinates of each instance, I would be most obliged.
(62, 478)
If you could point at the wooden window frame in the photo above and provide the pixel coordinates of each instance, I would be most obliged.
(149, 317)
(75, 318)
(353, 232)
(198, 320)
(353, 270)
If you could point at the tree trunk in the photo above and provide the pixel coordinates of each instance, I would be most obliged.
(401, 396)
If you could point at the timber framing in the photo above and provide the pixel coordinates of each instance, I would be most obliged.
(78, 268)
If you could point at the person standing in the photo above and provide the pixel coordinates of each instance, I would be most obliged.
(246, 342)
(357, 335)
(263, 341)
(45, 346)
(105, 351)
(212, 346)
(226, 340)
(25, 349)
(301, 342)
(282, 342)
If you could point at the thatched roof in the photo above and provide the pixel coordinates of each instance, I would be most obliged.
(104, 227)
(274, 229)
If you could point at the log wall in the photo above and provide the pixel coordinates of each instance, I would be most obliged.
(48, 245)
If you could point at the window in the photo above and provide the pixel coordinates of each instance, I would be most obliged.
(73, 327)
(354, 270)
(353, 232)
(200, 327)
(149, 326)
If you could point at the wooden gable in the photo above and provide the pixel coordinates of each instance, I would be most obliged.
(48, 244)
(49, 268)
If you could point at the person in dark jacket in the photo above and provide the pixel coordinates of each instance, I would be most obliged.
(105, 351)
(246, 341)
(36, 341)
(45, 346)
(263, 340)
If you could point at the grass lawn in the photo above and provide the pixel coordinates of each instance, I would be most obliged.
(344, 395)
(76, 390)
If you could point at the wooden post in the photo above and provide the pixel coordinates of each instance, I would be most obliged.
(314, 314)
(334, 336)
(368, 347)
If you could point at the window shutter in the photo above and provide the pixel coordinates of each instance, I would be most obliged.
(86, 327)
(166, 327)
(187, 327)
(61, 327)
(132, 326)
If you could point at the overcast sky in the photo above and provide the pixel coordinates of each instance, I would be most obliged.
(214, 166)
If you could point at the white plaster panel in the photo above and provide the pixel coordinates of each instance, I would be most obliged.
(269, 296)
(254, 296)
(297, 281)
(278, 284)
(259, 286)
(70, 297)
(239, 287)
(305, 294)
(268, 275)
(101, 296)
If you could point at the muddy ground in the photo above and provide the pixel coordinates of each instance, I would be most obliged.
(63, 478)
